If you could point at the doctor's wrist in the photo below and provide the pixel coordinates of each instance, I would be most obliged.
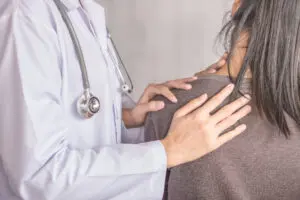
(128, 118)
(174, 158)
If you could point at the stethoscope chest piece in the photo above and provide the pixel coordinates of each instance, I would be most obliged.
(88, 105)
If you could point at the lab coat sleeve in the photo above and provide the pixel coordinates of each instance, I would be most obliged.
(132, 135)
(35, 155)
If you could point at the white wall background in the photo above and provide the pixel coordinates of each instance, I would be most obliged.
(161, 40)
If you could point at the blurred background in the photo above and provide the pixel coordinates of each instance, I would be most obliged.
(161, 40)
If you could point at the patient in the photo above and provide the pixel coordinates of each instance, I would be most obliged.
(264, 61)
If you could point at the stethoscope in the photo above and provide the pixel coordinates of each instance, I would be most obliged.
(88, 105)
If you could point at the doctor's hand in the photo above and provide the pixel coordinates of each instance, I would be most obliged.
(214, 67)
(195, 132)
(136, 117)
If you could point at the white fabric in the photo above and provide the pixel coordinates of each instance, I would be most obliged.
(46, 150)
(133, 135)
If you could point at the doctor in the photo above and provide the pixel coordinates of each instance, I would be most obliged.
(49, 151)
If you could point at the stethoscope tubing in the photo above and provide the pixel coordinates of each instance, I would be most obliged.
(79, 53)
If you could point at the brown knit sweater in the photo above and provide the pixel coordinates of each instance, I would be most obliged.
(260, 164)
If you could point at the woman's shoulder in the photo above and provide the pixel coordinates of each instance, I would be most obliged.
(209, 84)
(161, 120)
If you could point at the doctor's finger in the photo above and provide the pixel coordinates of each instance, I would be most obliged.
(191, 106)
(216, 66)
(227, 110)
(215, 101)
(153, 90)
(181, 83)
(222, 61)
(212, 68)
(188, 80)
(152, 106)
(233, 119)
(166, 92)
(230, 135)
(224, 57)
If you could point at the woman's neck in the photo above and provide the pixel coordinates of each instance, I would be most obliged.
(237, 59)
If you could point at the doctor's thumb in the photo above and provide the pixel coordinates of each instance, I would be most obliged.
(152, 106)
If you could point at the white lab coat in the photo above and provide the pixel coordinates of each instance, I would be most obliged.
(46, 150)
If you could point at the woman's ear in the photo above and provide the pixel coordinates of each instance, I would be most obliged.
(235, 6)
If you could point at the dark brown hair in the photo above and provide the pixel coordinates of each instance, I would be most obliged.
(273, 56)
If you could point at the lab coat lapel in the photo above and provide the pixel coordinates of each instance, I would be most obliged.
(97, 20)
(71, 4)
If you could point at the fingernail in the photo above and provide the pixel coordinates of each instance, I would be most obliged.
(221, 63)
(160, 105)
(203, 97)
(195, 78)
(248, 96)
(230, 86)
(248, 108)
(243, 127)
(174, 100)
(188, 87)
(212, 71)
